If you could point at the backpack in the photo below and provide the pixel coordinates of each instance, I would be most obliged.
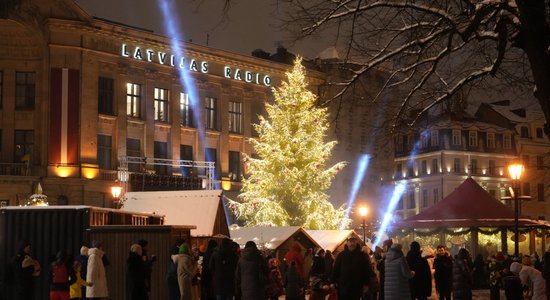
(60, 273)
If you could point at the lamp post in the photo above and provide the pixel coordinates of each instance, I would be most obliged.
(516, 170)
(363, 211)
(116, 191)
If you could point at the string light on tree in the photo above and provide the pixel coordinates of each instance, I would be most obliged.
(288, 181)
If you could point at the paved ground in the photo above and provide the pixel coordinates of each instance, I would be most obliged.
(476, 295)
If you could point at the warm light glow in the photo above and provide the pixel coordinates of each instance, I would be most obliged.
(90, 171)
(65, 171)
(515, 170)
(226, 183)
(363, 211)
(116, 190)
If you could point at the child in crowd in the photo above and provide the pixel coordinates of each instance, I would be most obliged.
(76, 290)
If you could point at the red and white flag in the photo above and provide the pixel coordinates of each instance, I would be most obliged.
(64, 116)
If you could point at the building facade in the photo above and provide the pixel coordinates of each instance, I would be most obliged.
(84, 98)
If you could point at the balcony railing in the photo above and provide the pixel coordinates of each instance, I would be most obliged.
(15, 169)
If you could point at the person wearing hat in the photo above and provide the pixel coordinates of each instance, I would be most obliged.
(532, 279)
(186, 270)
(352, 271)
(252, 273)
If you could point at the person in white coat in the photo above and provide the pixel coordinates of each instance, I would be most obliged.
(532, 278)
(187, 269)
(96, 274)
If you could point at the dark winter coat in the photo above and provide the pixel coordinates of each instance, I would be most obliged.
(512, 287)
(317, 267)
(23, 277)
(293, 282)
(421, 283)
(546, 272)
(207, 290)
(443, 266)
(223, 265)
(252, 273)
(329, 264)
(397, 275)
(352, 270)
(462, 277)
(136, 274)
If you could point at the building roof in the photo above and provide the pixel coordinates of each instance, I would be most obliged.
(330, 239)
(269, 237)
(469, 205)
(200, 208)
(506, 110)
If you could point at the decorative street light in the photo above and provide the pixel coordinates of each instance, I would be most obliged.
(516, 170)
(116, 191)
(363, 211)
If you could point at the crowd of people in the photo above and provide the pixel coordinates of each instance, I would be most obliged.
(222, 270)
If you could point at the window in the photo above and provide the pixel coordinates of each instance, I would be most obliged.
(435, 165)
(540, 192)
(400, 204)
(104, 151)
(235, 124)
(525, 160)
(436, 195)
(491, 167)
(472, 138)
(524, 132)
(210, 113)
(24, 145)
(410, 170)
(186, 111)
(211, 155)
(424, 167)
(424, 198)
(133, 149)
(540, 162)
(490, 140)
(540, 133)
(161, 152)
(507, 141)
(412, 202)
(133, 100)
(424, 140)
(25, 83)
(473, 166)
(398, 171)
(399, 143)
(256, 110)
(235, 165)
(526, 189)
(105, 95)
(456, 137)
(435, 138)
(457, 166)
(186, 153)
(161, 104)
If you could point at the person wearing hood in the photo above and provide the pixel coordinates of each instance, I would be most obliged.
(186, 270)
(462, 276)
(397, 275)
(252, 273)
(136, 274)
(532, 279)
(95, 273)
(421, 283)
(223, 265)
(352, 271)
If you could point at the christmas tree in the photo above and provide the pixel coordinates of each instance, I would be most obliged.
(288, 180)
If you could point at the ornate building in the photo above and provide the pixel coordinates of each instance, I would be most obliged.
(83, 98)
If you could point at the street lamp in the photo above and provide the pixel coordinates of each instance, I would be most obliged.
(116, 191)
(516, 170)
(363, 211)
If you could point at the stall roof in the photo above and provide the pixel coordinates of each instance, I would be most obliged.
(270, 237)
(469, 205)
(199, 208)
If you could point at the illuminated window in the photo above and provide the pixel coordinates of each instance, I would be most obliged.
(186, 111)
(210, 113)
(25, 83)
(105, 95)
(104, 151)
(435, 138)
(235, 109)
(490, 140)
(161, 104)
(472, 138)
(507, 141)
(235, 165)
(456, 137)
(133, 100)
(24, 145)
